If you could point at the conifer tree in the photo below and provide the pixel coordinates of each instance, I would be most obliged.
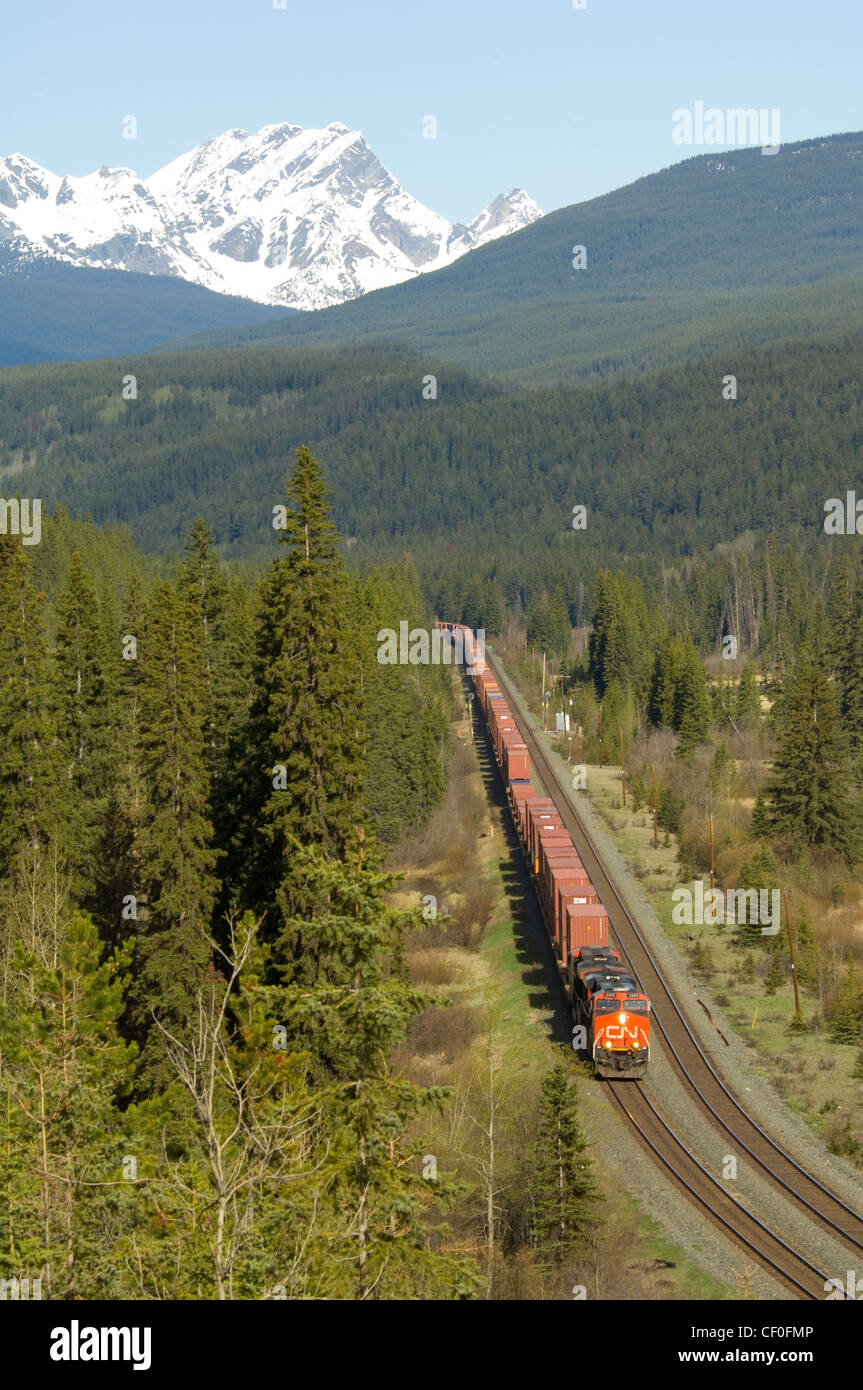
(617, 646)
(345, 1002)
(63, 1070)
(565, 1194)
(844, 1013)
(177, 885)
(663, 682)
(807, 796)
(775, 973)
(758, 872)
(118, 859)
(306, 748)
(807, 952)
(691, 703)
(84, 717)
(747, 702)
(205, 587)
(722, 769)
(33, 799)
(760, 823)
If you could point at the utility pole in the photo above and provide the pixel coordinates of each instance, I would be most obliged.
(600, 736)
(793, 961)
(623, 767)
(655, 835)
(711, 855)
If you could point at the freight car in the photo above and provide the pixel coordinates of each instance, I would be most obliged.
(605, 998)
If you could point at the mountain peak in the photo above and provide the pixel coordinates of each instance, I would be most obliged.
(295, 216)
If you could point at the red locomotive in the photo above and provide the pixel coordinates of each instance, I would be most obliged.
(605, 998)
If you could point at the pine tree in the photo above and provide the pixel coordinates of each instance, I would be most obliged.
(565, 1193)
(844, 1013)
(691, 703)
(307, 717)
(63, 1069)
(747, 702)
(118, 858)
(177, 886)
(84, 718)
(618, 643)
(759, 825)
(758, 872)
(722, 769)
(540, 626)
(663, 682)
(807, 796)
(807, 953)
(33, 799)
(775, 973)
(205, 587)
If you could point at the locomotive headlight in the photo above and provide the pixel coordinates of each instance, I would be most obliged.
(608, 1044)
(621, 1018)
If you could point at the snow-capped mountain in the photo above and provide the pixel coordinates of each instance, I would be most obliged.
(304, 218)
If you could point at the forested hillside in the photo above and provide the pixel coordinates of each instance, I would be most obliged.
(201, 977)
(478, 484)
(717, 253)
(51, 312)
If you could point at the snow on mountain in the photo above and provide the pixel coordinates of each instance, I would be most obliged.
(304, 218)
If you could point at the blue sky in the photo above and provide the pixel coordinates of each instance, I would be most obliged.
(566, 103)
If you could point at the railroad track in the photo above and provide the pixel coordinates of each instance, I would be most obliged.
(692, 1065)
(690, 1173)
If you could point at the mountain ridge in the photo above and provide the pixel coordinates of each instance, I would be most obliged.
(715, 251)
(286, 216)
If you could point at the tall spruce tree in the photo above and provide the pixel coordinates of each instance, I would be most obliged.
(85, 715)
(306, 747)
(663, 682)
(565, 1192)
(33, 797)
(691, 702)
(808, 795)
(205, 587)
(176, 890)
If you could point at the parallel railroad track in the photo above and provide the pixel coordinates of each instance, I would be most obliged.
(693, 1066)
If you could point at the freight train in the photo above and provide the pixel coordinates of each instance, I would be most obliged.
(605, 998)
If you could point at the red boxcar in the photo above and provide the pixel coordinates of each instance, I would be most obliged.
(550, 837)
(584, 925)
(556, 868)
(579, 892)
(517, 764)
(522, 795)
(540, 812)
